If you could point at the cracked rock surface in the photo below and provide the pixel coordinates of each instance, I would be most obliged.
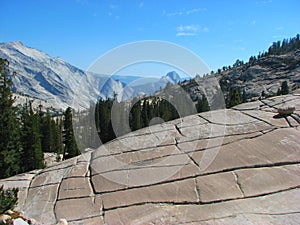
(233, 166)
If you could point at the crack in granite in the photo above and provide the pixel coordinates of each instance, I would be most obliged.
(236, 177)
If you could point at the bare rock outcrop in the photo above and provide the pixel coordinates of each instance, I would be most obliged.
(229, 166)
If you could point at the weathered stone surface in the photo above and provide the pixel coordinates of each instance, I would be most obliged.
(279, 101)
(237, 166)
(259, 181)
(80, 170)
(192, 146)
(91, 221)
(135, 177)
(227, 117)
(293, 120)
(175, 192)
(248, 106)
(21, 181)
(132, 143)
(189, 121)
(276, 204)
(153, 157)
(210, 131)
(103, 184)
(284, 148)
(40, 203)
(78, 208)
(267, 117)
(218, 187)
(74, 188)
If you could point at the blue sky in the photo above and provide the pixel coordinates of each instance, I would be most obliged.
(79, 31)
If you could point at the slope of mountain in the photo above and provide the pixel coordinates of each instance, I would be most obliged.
(264, 75)
(59, 84)
(221, 167)
(147, 85)
(46, 78)
(261, 76)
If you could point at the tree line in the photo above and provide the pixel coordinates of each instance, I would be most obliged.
(114, 118)
(26, 133)
(236, 96)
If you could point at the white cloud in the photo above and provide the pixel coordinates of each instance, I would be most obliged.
(190, 30)
(195, 10)
(278, 36)
(185, 34)
(113, 8)
(184, 12)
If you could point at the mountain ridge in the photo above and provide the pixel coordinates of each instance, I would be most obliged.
(61, 84)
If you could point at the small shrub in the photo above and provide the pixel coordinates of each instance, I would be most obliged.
(8, 199)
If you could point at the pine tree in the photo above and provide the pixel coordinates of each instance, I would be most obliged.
(32, 155)
(285, 88)
(103, 120)
(278, 92)
(57, 133)
(47, 137)
(145, 111)
(202, 105)
(244, 96)
(10, 147)
(234, 97)
(70, 146)
(135, 116)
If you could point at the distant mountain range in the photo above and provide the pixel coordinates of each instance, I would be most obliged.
(59, 84)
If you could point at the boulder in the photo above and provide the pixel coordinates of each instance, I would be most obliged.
(286, 110)
(4, 218)
(62, 222)
(19, 221)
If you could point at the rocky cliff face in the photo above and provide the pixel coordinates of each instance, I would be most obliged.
(234, 166)
(266, 74)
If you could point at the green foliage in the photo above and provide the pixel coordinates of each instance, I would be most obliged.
(285, 88)
(244, 96)
(32, 155)
(26, 133)
(70, 146)
(56, 128)
(8, 199)
(278, 92)
(285, 46)
(136, 120)
(10, 146)
(47, 132)
(140, 114)
(103, 120)
(202, 105)
(234, 97)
